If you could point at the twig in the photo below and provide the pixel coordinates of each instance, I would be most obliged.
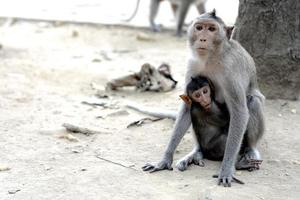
(115, 163)
(143, 121)
(104, 105)
(77, 129)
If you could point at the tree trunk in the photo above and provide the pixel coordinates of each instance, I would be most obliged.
(270, 31)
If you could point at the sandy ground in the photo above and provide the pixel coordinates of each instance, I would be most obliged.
(46, 71)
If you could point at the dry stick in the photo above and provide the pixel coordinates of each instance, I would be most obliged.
(77, 129)
(142, 121)
(115, 163)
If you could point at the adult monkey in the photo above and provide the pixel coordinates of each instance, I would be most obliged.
(232, 71)
(180, 8)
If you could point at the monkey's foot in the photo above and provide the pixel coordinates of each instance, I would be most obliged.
(248, 164)
(249, 161)
(226, 181)
(192, 158)
(156, 28)
(162, 165)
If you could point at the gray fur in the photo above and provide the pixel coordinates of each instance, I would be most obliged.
(232, 71)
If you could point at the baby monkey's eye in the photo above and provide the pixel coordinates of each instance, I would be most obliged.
(211, 28)
(198, 27)
(197, 95)
(205, 91)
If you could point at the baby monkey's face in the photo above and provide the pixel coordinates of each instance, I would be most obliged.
(202, 96)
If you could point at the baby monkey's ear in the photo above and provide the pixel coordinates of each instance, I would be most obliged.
(186, 99)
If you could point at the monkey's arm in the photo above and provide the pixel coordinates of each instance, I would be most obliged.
(235, 98)
(182, 124)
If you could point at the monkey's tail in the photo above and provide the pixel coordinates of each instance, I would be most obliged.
(134, 12)
(152, 112)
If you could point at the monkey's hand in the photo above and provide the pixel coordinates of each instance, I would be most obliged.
(226, 177)
(166, 163)
(195, 157)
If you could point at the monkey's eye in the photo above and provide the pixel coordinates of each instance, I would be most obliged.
(211, 28)
(205, 91)
(197, 95)
(198, 27)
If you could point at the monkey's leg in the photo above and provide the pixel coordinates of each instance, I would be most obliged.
(183, 9)
(129, 80)
(195, 157)
(154, 5)
(182, 123)
(250, 158)
(201, 8)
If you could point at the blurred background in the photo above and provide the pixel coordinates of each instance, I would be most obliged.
(107, 12)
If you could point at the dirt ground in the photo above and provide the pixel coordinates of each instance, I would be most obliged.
(47, 70)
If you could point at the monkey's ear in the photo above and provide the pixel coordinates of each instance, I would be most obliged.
(213, 13)
(186, 99)
(229, 30)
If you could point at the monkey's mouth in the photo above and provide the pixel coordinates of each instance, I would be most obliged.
(207, 106)
(201, 50)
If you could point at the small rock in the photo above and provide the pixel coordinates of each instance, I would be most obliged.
(279, 115)
(77, 149)
(296, 162)
(96, 60)
(47, 168)
(83, 170)
(239, 173)
(284, 104)
(100, 117)
(294, 111)
(69, 137)
(74, 33)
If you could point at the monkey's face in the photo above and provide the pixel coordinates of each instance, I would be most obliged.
(205, 35)
(202, 96)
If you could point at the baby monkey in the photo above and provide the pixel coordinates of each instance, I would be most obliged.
(210, 121)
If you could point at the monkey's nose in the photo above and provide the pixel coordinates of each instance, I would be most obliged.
(202, 40)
